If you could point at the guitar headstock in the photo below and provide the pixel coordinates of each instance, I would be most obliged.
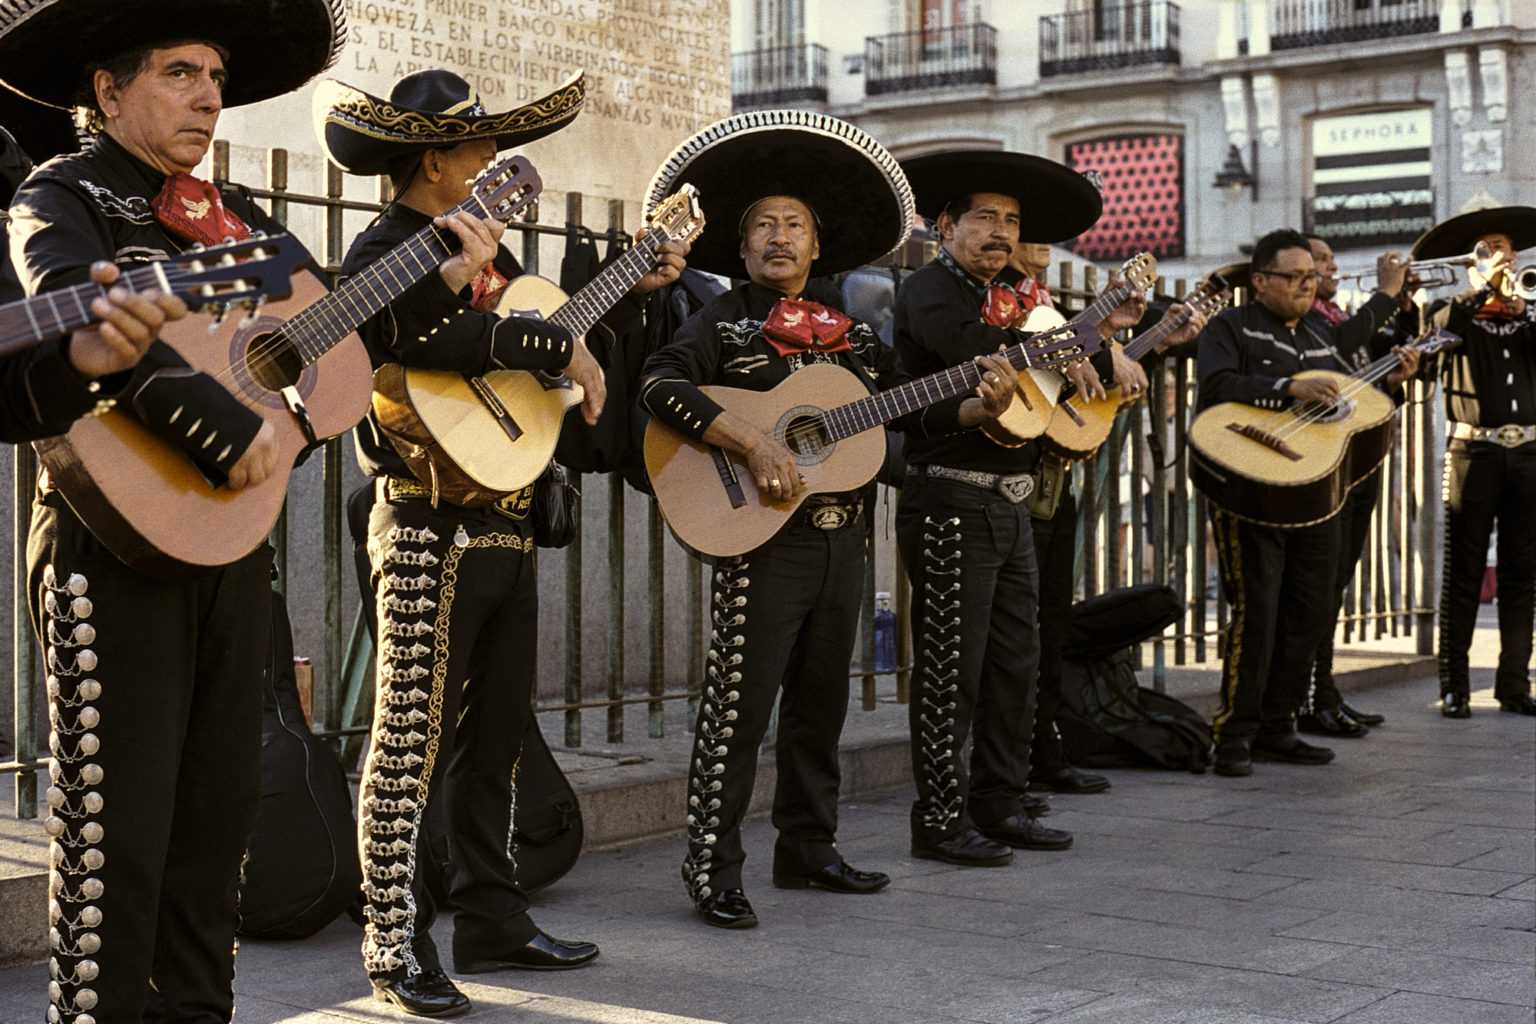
(235, 274)
(679, 217)
(1140, 271)
(1209, 299)
(1066, 344)
(1436, 339)
(504, 189)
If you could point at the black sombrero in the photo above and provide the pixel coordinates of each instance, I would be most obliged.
(1236, 275)
(274, 46)
(29, 134)
(855, 188)
(432, 109)
(1457, 236)
(1056, 203)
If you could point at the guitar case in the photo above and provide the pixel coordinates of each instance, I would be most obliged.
(301, 868)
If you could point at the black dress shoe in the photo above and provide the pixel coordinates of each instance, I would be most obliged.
(1363, 717)
(1291, 749)
(541, 953)
(1025, 833)
(839, 877)
(425, 995)
(1455, 705)
(1331, 722)
(1035, 805)
(968, 849)
(1233, 760)
(1067, 779)
(1524, 704)
(728, 909)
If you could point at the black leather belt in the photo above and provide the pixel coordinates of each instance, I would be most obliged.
(1016, 487)
(829, 515)
(513, 506)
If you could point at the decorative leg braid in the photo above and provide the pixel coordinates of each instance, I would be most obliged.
(1443, 643)
(73, 802)
(938, 683)
(712, 741)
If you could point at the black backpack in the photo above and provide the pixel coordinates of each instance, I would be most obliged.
(1106, 718)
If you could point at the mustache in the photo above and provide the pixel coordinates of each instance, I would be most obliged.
(774, 252)
(997, 247)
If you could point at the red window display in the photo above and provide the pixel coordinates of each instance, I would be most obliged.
(1143, 179)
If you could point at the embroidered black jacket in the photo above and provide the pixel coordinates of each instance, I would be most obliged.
(1249, 355)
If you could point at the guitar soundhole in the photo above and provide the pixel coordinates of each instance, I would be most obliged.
(273, 362)
(805, 434)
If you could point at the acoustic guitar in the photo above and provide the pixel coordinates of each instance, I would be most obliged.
(299, 366)
(1079, 425)
(827, 418)
(1040, 390)
(1296, 466)
(474, 439)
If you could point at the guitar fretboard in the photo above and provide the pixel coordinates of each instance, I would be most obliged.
(603, 292)
(56, 313)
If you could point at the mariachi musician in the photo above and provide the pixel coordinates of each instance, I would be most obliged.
(454, 583)
(1490, 458)
(787, 194)
(154, 682)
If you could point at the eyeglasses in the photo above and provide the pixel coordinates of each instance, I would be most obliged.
(1293, 277)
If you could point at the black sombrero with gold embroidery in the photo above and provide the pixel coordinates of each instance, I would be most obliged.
(273, 46)
(856, 190)
(431, 109)
(1056, 203)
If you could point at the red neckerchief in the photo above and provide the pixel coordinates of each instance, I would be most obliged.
(485, 290)
(798, 325)
(1497, 309)
(1033, 293)
(1330, 311)
(192, 210)
(1001, 306)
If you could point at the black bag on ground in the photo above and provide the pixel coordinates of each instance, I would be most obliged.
(301, 869)
(1106, 718)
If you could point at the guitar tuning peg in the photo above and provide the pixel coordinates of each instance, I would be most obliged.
(258, 234)
(197, 247)
(217, 319)
(228, 260)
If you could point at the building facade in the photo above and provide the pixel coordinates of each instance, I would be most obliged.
(1211, 121)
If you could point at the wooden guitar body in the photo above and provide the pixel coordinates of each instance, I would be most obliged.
(1037, 391)
(480, 451)
(717, 518)
(1080, 425)
(1258, 465)
(148, 503)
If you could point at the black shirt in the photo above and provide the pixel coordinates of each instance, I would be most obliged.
(1490, 379)
(1249, 355)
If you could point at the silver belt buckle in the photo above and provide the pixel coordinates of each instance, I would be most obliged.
(1016, 488)
(831, 517)
(1510, 435)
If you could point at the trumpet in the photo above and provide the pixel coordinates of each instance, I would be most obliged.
(1524, 280)
(1441, 273)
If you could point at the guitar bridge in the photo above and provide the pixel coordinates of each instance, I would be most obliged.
(1265, 438)
(728, 477)
(495, 407)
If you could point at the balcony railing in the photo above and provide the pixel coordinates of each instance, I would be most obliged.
(1111, 37)
(1300, 23)
(778, 75)
(930, 59)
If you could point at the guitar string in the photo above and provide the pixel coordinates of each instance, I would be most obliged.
(1289, 424)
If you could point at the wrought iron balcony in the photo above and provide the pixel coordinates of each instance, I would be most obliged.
(778, 75)
(1299, 23)
(1120, 36)
(930, 59)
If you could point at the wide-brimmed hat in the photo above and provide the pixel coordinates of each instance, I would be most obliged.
(1056, 203)
(274, 46)
(856, 190)
(29, 134)
(431, 109)
(1457, 236)
(1236, 275)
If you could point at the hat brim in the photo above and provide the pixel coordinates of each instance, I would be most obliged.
(1236, 275)
(851, 183)
(1458, 235)
(363, 134)
(40, 133)
(1056, 203)
(274, 46)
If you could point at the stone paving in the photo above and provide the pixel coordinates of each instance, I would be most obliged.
(1393, 887)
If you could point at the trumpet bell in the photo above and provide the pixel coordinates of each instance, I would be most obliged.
(1525, 282)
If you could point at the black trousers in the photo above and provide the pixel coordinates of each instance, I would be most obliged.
(1055, 552)
(970, 555)
(784, 619)
(1486, 483)
(155, 701)
(1280, 585)
(1354, 529)
(457, 609)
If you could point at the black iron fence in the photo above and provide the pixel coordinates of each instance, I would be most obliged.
(1109, 37)
(779, 75)
(930, 59)
(1299, 23)
(626, 587)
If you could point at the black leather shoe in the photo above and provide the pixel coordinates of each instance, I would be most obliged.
(423, 998)
(1025, 833)
(542, 953)
(1455, 705)
(1233, 760)
(1365, 718)
(1331, 722)
(839, 877)
(1035, 805)
(1291, 749)
(969, 849)
(728, 909)
(1524, 704)
(1067, 779)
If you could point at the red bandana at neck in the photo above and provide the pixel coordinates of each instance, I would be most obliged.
(795, 325)
(1497, 308)
(485, 290)
(191, 209)
(1001, 307)
(1330, 311)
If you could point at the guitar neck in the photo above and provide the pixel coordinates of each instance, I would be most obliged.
(56, 313)
(584, 309)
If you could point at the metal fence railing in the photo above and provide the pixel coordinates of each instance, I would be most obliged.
(779, 75)
(930, 59)
(1299, 23)
(1109, 37)
(624, 606)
